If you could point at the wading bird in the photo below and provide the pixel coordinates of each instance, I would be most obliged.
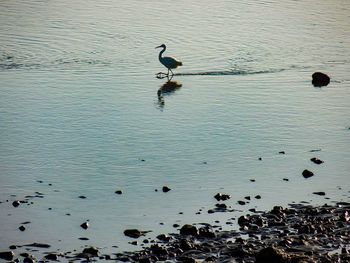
(168, 62)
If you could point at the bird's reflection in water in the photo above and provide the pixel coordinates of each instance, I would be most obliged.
(167, 88)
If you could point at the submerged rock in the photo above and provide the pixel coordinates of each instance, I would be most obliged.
(38, 245)
(320, 79)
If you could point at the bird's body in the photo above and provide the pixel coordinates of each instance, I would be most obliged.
(168, 62)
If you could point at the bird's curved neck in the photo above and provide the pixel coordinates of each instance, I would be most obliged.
(161, 53)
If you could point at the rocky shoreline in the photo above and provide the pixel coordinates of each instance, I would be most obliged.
(296, 234)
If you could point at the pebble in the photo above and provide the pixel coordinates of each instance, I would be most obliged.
(319, 193)
(134, 233)
(307, 173)
(316, 160)
(16, 203)
(320, 79)
(51, 256)
(85, 225)
(165, 189)
(222, 197)
(93, 251)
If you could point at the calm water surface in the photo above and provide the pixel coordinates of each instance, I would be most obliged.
(79, 110)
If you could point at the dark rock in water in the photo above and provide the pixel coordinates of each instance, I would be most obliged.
(145, 260)
(93, 251)
(221, 206)
(13, 247)
(82, 197)
(134, 233)
(22, 228)
(166, 189)
(28, 260)
(187, 260)
(258, 197)
(211, 259)
(271, 254)
(282, 152)
(158, 250)
(39, 245)
(7, 255)
(164, 238)
(241, 202)
(51, 256)
(320, 79)
(85, 225)
(300, 233)
(319, 193)
(189, 230)
(16, 203)
(206, 232)
(307, 173)
(222, 197)
(118, 192)
(83, 238)
(316, 160)
(186, 244)
(285, 179)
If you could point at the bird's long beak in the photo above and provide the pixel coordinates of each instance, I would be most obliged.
(158, 46)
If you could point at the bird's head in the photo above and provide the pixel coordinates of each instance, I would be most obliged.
(162, 46)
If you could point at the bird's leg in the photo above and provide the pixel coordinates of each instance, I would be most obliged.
(168, 73)
(172, 73)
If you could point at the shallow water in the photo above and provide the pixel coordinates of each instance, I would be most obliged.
(79, 110)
